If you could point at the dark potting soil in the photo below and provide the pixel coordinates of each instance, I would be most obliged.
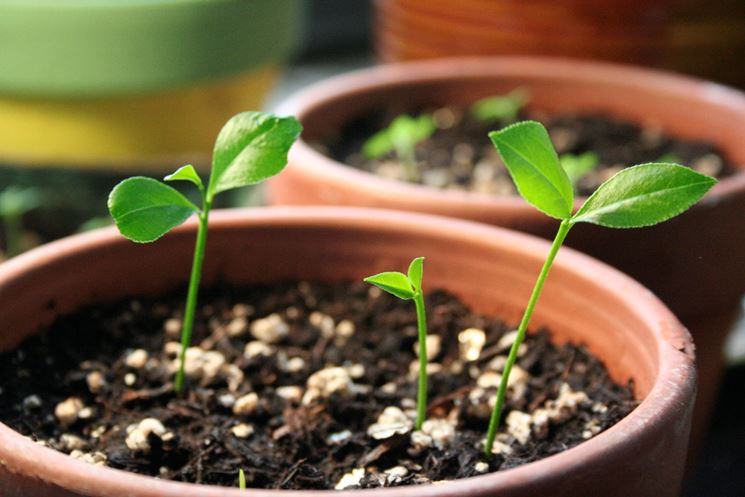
(460, 156)
(302, 386)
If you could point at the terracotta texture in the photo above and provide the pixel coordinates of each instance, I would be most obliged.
(491, 269)
(695, 262)
(617, 30)
(698, 37)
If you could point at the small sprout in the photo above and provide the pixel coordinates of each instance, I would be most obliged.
(16, 201)
(241, 479)
(500, 108)
(578, 166)
(401, 136)
(250, 148)
(409, 287)
(95, 223)
(638, 196)
(669, 157)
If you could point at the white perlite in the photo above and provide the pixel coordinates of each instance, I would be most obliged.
(71, 442)
(433, 344)
(323, 322)
(68, 410)
(270, 329)
(256, 349)
(200, 363)
(137, 435)
(237, 326)
(326, 382)
(96, 382)
(471, 341)
(242, 430)
(522, 425)
(172, 327)
(438, 432)
(350, 479)
(246, 405)
(95, 458)
(290, 393)
(481, 467)
(136, 359)
(395, 474)
(392, 421)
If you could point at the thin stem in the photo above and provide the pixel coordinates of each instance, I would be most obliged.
(421, 395)
(407, 158)
(191, 298)
(521, 330)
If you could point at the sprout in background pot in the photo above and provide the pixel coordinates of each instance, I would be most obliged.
(401, 137)
(14, 203)
(639, 196)
(503, 109)
(578, 166)
(409, 287)
(250, 148)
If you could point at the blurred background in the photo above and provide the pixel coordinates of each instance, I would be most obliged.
(92, 91)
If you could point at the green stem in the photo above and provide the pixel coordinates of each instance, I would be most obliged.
(407, 158)
(421, 395)
(521, 330)
(191, 298)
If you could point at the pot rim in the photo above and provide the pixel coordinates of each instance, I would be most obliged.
(308, 161)
(673, 386)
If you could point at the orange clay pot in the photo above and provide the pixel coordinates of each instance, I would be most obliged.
(491, 269)
(694, 263)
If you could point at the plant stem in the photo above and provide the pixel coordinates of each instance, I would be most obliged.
(421, 394)
(407, 158)
(191, 298)
(521, 330)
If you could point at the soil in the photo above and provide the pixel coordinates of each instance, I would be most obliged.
(460, 156)
(290, 382)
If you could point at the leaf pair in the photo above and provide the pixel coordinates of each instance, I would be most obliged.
(638, 196)
(403, 286)
(250, 148)
(401, 136)
(500, 108)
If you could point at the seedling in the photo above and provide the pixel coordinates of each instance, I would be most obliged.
(635, 197)
(250, 148)
(578, 166)
(500, 108)
(409, 287)
(401, 136)
(241, 479)
(14, 203)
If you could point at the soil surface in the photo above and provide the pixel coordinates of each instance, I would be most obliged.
(302, 386)
(460, 156)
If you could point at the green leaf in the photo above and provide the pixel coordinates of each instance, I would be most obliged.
(251, 148)
(416, 271)
(504, 108)
(377, 145)
(644, 195)
(394, 283)
(407, 132)
(17, 200)
(577, 166)
(530, 157)
(145, 209)
(241, 479)
(186, 173)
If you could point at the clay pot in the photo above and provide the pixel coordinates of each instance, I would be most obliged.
(616, 30)
(694, 263)
(491, 269)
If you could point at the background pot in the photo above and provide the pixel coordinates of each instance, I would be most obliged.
(695, 262)
(133, 84)
(704, 38)
(491, 269)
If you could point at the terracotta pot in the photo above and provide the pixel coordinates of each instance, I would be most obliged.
(617, 30)
(491, 269)
(695, 262)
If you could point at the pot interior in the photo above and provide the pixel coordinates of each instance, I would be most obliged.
(680, 107)
(583, 301)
